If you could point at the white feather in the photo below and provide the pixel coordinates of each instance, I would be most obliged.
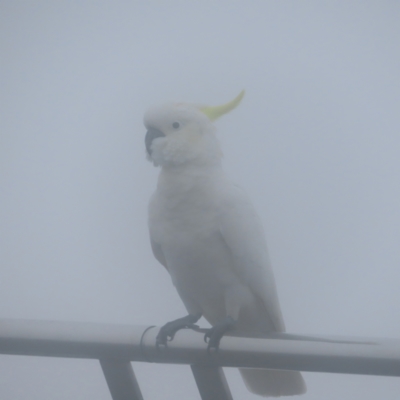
(205, 231)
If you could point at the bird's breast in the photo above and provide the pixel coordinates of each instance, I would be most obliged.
(197, 257)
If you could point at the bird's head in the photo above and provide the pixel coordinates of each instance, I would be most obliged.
(181, 133)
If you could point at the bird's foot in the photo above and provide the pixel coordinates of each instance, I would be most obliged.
(167, 332)
(214, 334)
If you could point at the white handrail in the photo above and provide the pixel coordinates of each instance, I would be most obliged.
(137, 343)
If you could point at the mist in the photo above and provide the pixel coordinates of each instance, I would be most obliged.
(315, 143)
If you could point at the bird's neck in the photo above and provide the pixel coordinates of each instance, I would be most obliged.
(186, 178)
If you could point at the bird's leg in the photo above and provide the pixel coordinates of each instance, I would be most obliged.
(214, 334)
(167, 332)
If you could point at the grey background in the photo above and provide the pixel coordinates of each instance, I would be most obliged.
(315, 143)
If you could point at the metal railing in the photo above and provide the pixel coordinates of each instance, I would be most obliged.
(115, 346)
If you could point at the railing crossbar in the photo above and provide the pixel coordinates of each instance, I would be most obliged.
(117, 345)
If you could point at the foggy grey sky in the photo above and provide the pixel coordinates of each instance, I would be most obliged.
(315, 143)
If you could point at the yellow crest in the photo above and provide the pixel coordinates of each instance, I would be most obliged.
(215, 112)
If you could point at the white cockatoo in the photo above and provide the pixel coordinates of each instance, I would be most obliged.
(206, 233)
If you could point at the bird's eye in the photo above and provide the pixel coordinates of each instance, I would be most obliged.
(176, 125)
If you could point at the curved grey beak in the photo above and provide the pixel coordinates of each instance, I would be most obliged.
(150, 136)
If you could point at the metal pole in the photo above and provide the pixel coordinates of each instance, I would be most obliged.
(121, 380)
(211, 383)
(137, 343)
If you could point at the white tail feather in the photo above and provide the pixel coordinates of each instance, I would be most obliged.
(271, 383)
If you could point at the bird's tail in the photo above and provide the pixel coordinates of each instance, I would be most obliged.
(271, 383)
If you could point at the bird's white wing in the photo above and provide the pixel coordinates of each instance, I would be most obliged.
(243, 233)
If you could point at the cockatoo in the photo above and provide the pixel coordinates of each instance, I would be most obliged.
(206, 233)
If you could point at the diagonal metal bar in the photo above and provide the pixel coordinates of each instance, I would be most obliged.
(138, 343)
(121, 380)
(211, 383)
